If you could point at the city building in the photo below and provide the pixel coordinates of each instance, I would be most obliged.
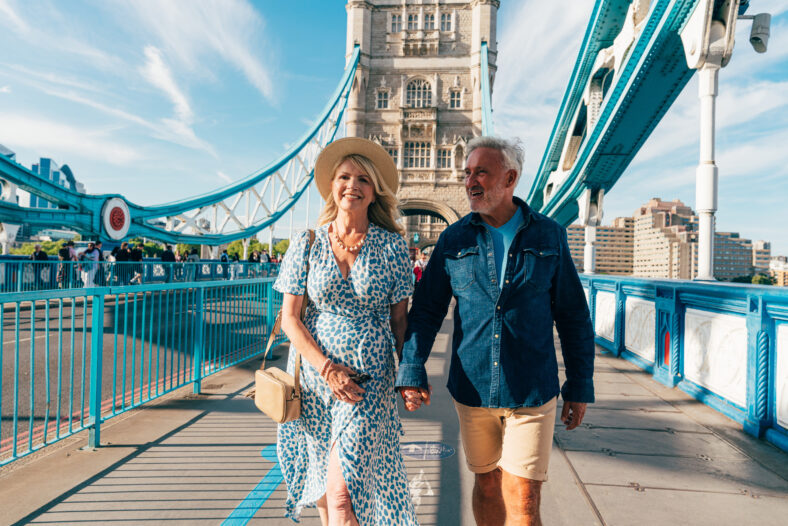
(761, 256)
(418, 94)
(49, 169)
(660, 241)
(778, 268)
(614, 246)
(665, 240)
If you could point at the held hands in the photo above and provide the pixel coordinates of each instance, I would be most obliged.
(337, 377)
(415, 396)
(572, 414)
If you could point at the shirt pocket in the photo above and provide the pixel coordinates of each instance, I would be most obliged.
(540, 266)
(460, 265)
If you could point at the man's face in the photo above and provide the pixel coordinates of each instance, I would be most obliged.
(488, 184)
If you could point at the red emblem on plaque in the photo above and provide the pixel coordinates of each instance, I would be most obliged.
(117, 218)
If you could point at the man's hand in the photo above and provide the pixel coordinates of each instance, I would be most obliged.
(415, 396)
(572, 414)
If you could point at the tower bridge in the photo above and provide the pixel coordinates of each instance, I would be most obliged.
(691, 377)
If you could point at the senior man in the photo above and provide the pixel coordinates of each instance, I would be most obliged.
(510, 270)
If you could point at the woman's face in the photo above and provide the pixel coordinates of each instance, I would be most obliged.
(352, 188)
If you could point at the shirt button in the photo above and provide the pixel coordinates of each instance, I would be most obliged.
(495, 364)
(510, 255)
(458, 253)
(489, 253)
(496, 335)
(507, 281)
(498, 307)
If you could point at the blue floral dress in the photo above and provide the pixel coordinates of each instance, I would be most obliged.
(349, 320)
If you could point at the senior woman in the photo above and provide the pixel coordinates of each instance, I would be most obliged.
(343, 454)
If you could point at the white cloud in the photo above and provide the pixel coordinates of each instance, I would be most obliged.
(5, 89)
(224, 177)
(9, 14)
(159, 75)
(63, 140)
(189, 30)
(534, 67)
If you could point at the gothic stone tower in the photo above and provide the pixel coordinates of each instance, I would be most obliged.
(417, 92)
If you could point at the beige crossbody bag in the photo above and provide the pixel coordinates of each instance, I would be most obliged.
(277, 392)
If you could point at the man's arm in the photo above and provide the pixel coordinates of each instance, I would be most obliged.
(573, 322)
(430, 304)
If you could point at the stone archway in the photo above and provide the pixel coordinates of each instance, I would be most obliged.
(429, 231)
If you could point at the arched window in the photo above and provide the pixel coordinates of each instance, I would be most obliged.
(419, 94)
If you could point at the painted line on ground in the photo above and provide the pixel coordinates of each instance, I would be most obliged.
(248, 507)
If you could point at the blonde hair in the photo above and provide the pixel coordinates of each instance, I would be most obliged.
(383, 211)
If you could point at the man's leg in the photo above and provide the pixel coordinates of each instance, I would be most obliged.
(488, 506)
(527, 442)
(521, 498)
(481, 430)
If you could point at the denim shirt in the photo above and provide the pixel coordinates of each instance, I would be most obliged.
(502, 347)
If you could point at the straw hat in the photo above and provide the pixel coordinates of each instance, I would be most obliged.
(340, 148)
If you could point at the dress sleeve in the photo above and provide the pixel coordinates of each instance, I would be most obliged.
(402, 273)
(292, 273)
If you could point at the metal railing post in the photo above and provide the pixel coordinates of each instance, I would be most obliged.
(198, 340)
(96, 352)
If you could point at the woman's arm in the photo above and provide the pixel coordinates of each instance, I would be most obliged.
(337, 376)
(399, 324)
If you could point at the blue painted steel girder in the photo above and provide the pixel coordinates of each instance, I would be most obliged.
(651, 77)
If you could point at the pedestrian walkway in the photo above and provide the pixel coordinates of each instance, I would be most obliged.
(646, 455)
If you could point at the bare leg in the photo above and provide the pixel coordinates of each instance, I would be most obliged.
(488, 506)
(340, 508)
(522, 498)
(322, 510)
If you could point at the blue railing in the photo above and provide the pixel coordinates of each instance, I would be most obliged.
(20, 275)
(71, 359)
(724, 344)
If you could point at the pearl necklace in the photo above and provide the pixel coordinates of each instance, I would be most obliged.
(351, 248)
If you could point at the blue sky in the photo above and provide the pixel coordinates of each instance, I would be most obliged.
(162, 100)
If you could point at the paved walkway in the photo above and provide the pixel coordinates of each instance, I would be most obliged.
(646, 455)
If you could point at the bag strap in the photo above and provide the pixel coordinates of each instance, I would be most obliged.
(278, 323)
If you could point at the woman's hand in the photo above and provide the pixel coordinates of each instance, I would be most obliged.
(344, 389)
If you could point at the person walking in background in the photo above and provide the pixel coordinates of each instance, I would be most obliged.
(88, 264)
(65, 268)
(135, 256)
(254, 264)
(101, 270)
(225, 264)
(192, 261)
(39, 268)
(510, 270)
(265, 263)
(168, 262)
(122, 269)
(343, 453)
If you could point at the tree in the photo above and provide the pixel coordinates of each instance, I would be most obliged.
(762, 279)
(185, 250)
(49, 247)
(281, 247)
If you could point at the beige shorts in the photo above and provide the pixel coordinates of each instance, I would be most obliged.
(518, 440)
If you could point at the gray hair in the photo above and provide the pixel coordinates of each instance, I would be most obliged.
(512, 151)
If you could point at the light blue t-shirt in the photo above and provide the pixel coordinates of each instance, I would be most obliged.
(502, 238)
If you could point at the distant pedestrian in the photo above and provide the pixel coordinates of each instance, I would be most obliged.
(122, 270)
(39, 268)
(101, 270)
(65, 269)
(192, 262)
(168, 261)
(89, 258)
(135, 256)
(225, 264)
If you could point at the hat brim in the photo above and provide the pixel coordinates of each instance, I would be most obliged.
(341, 148)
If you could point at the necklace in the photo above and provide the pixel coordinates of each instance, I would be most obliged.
(346, 248)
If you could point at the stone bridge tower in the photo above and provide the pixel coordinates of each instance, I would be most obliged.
(417, 92)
